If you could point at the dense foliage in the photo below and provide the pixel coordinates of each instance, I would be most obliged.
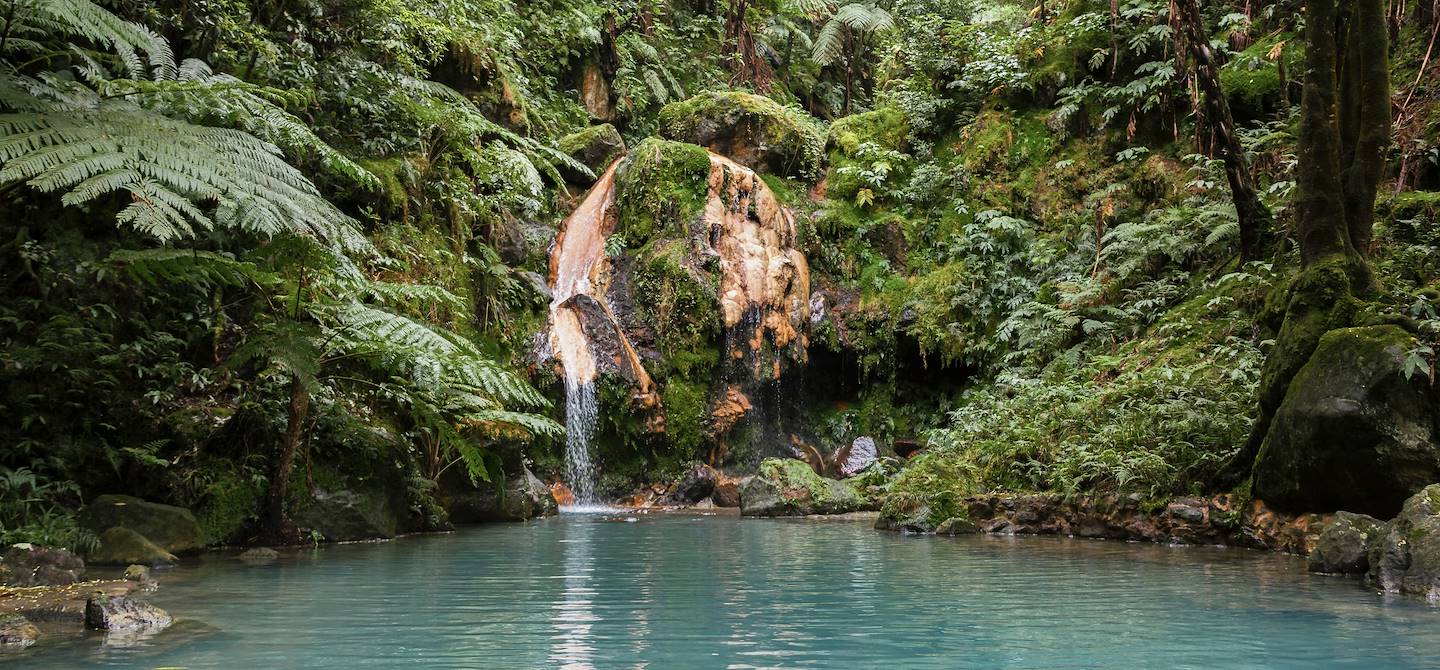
(236, 231)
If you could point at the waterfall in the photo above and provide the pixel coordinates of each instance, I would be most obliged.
(574, 262)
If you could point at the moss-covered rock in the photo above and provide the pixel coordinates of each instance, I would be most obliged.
(753, 130)
(681, 301)
(886, 128)
(1353, 432)
(16, 632)
(522, 497)
(596, 147)
(1344, 545)
(662, 186)
(1407, 558)
(787, 487)
(173, 529)
(346, 515)
(123, 546)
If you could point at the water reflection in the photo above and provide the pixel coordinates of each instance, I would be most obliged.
(574, 618)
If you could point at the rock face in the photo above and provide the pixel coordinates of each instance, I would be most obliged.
(29, 565)
(123, 614)
(344, 516)
(173, 529)
(121, 546)
(524, 497)
(595, 147)
(1344, 545)
(1407, 558)
(787, 487)
(16, 632)
(259, 555)
(755, 131)
(1352, 433)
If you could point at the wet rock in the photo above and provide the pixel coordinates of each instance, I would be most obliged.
(595, 92)
(259, 555)
(1352, 432)
(910, 515)
(173, 529)
(957, 526)
(1407, 558)
(852, 460)
(1345, 544)
(29, 565)
(122, 546)
(595, 147)
(16, 632)
(347, 515)
(123, 614)
(727, 491)
(787, 487)
(752, 130)
(523, 497)
(697, 484)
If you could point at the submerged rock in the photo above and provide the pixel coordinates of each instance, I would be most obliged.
(1407, 558)
(16, 632)
(787, 487)
(30, 565)
(1345, 544)
(259, 555)
(755, 131)
(122, 546)
(1352, 432)
(173, 529)
(124, 614)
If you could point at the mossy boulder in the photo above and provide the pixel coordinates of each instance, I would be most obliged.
(1353, 432)
(1407, 559)
(30, 565)
(596, 147)
(660, 189)
(752, 130)
(173, 529)
(522, 497)
(16, 632)
(1344, 545)
(346, 515)
(885, 128)
(122, 546)
(787, 487)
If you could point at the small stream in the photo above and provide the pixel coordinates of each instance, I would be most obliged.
(689, 591)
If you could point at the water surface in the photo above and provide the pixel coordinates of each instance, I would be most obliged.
(672, 591)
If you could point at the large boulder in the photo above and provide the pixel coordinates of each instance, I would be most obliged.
(347, 515)
(752, 130)
(173, 529)
(30, 565)
(16, 632)
(1345, 544)
(787, 487)
(1353, 432)
(595, 147)
(522, 497)
(121, 546)
(1407, 559)
(124, 614)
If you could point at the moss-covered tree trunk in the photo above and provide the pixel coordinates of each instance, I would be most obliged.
(277, 529)
(1254, 217)
(1344, 129)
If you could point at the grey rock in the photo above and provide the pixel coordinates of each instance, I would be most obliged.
(123, 614)
(259, 555)
(16, 632)
(956, 526)
(523, 497)
(1345, 544)
(347, 515)
(697, 484)
(1407, 559)
(30, 565)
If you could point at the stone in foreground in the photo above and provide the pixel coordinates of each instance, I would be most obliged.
(787, 487)
(16, 632)
(1407, 559)
(124, 614)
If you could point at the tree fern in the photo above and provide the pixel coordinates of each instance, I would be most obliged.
(859, 17)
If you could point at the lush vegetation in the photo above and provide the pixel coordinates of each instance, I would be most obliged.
(252, 250)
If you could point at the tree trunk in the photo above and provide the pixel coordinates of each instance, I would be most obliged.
(276, 524)
(1320, 221)
(1254, 216)
(1366, 101)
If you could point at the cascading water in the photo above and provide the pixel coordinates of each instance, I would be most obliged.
(575, 259)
